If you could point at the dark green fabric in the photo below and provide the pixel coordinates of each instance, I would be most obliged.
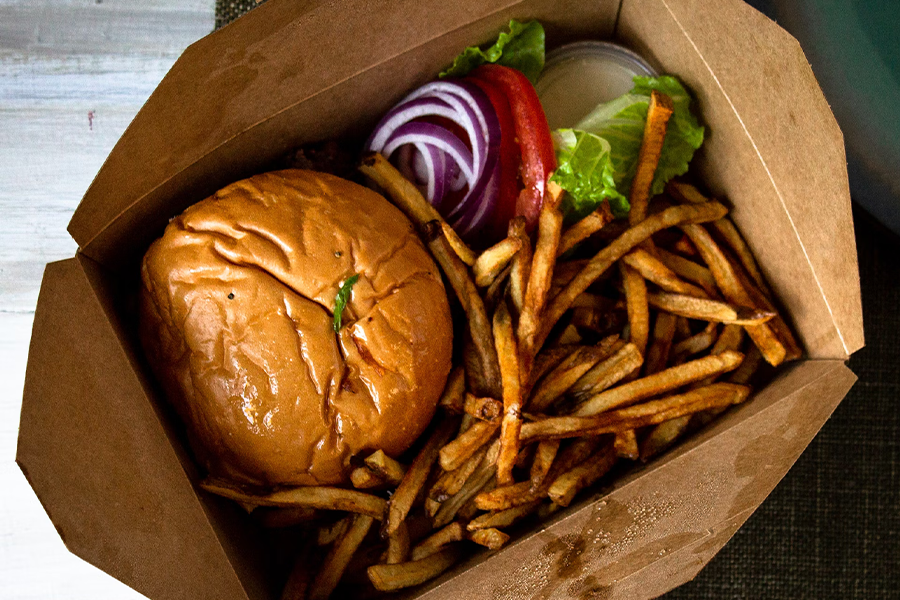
(831, 529)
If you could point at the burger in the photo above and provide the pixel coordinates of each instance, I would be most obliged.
(295, 320)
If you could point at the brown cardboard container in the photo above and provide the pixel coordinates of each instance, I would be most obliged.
(106, 458)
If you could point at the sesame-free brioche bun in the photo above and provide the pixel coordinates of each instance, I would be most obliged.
(237, 303)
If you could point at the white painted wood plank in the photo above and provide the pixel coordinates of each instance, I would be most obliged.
(61, 61)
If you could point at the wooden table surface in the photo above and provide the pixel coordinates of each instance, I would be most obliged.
(73, 73)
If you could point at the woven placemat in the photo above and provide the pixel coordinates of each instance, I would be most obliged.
(831, 529)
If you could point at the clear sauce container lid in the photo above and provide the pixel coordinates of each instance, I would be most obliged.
(579, 76)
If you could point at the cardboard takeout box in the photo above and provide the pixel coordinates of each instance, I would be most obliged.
(104, 453)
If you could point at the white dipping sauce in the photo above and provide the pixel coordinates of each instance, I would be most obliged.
(577, 77)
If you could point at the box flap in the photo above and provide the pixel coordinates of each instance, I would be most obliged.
(657, 526)
(285, 74)
(102, 464)
(773, 149)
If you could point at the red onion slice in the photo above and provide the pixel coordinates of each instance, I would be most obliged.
(417, 132)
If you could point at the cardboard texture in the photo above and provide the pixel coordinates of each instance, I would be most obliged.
(108, 460)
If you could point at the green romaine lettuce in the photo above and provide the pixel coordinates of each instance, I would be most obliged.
(586, 172)
(522, 48)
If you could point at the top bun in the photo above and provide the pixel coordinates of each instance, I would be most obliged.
(237, 306)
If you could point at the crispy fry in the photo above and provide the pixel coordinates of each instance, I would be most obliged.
(685, 192)
(481, 478)
(625, 361)
(450, 482)
(479, 326)
(386, 578)
(548, 360)
(565, 271)
(564, 488)
(695, 344)
(543, 460)
(601, 322)
(664, 435)
(455, 453)
(652, 269)
(505, 341)
(493, 260)
(386, 467)
(762, 335)
(491, 538)
(632, 417)
(326, 498)
(749, 366)
(543, 262)
(684, 246)
(521, 264)
(454, 532)
(661, 344)
(707, 310)
(328, 534)
(431, 506)
(503, 518)
(468, 510)
(569, 336)
(736, 241)
(273, 517)
(484, 409)
(626, 445)
(598, 265)
(688, 269)
(585, 228)
(338, 557)
(409, 200)
(497, 290)
(594, 302)
(508, 496)
(364, 478)
(660, 383)
(638, 310)
(565, 375)
(301, 575)
(398, 545)
(658, 113)
(415, 477)
(454, 390)
(682, 329)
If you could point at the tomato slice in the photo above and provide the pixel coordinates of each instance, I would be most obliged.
(510, 157)
(538, 160)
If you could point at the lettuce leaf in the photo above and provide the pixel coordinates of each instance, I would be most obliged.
(586, 172)
(522, 48)
(592, 172)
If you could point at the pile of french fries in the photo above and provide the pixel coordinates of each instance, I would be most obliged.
(570, 365)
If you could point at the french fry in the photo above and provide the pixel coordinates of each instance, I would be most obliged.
(455, 453)
(682, 329)
(548, 360)
(749, 366)
(493, 260)
(328, 534)
(658, 113)
(484, 409)
(364, 478)
(521, 264)
(661, 343)
(417, 474)
(736, 241)
(274, 518)
(544, 259)
(454, 390)
(409, 200)
(664, 435)
(585, 228)
(625, 445)
(503, 518)
(603, 260)
(564, 488)
(594, 302)
(560, 379)
(695, 344)
(386, 467)
(301, 575)
(507, 496)
(479, 326)
(685, 247)
(638, 310)
(625, 361)
(601, 322)
(431, 507)
(398, 545)
(491, 538)
(565, 271)
(450, 482)
(652, 269)
(481, 478)
(454, 532)
(543, 460)
(685, 192)
(338, 557)
(708, 310)
(387, 578)
(321, 497)
(505, 341)
(762, 335)
(569, 336)
(689, 270)
(660, 383)
(497, 290)
(632, 417)
(468, 510)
